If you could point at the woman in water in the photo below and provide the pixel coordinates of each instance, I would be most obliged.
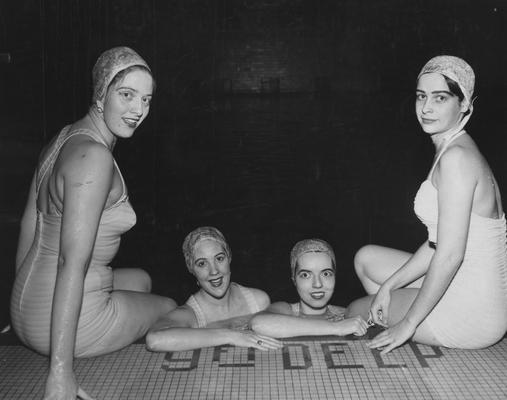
(219, 312)
(313, 271)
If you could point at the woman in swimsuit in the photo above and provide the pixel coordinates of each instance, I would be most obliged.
(67, 301)
(219, 312)
(313, 268)
(453, 290)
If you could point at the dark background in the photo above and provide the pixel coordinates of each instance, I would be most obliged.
(273, 120)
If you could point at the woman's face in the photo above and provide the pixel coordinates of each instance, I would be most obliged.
(127, 103)
(315, 280)
(437, 109)
(211, 267)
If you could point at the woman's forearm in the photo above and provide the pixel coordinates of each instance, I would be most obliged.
(181, 339)
(439, 276)
(67, 302)
(27, 228)
(281, 326)
(412, 270)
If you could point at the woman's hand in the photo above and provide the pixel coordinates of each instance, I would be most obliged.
(392, 337)
(251, 339)
(379, 309)
(64, 387)
(352, 326)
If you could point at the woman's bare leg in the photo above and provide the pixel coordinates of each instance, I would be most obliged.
(401, 300)
(135, 279)
(137, 309)
(375, 264)
(137, 312)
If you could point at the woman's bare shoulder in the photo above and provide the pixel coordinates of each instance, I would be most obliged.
(280, 307)
(181, 317)
(261, 297)
(83, 156)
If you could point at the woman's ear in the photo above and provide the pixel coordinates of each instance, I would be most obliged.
(467, 105)
(100, 106)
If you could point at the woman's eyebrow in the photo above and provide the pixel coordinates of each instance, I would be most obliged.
(436, 92)
(126, 87)
(442, 91)
(133, 90)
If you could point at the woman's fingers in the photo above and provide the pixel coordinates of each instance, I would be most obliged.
(362, 327)
(383, 339)
(387, 349)
(265, 343)
(82, 395)
(379, 316)
(271, 341)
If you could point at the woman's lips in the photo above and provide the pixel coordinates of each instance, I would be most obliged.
(131, 122)
(427, 121)
(216, 282)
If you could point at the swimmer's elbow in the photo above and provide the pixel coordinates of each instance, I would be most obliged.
(450, 261)
(254, 323)
(157, 341)
(258, 325)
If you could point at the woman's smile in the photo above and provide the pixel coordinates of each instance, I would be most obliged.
(317, 295)
(217, 282)
(131, 122)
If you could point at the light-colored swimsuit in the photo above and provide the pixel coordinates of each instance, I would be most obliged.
(472, 313)
(252, 305)
(32, 296)
(332, 312)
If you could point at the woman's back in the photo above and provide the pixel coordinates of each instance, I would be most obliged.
(35, 280)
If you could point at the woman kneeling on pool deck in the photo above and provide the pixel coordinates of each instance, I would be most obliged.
(313, 267)
(216, 314)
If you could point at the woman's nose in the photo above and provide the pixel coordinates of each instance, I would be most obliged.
(317, 283)
(427, 106)
(136, 106)
(213, 269)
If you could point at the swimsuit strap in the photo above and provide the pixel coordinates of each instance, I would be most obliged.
(444, 148)
(251, 302)
(330, 313)
(50, 160)
(196, 308)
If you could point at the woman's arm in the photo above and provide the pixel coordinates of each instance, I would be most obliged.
(278, 321)
(177, 332)
(456, 186)
(27, 228)
(416, 266)
(284, 325)
(413, 269)
(83, 182)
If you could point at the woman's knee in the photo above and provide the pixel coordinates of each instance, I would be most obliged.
(359, 307)
(134, 279)
(362, 260)
(144, 281)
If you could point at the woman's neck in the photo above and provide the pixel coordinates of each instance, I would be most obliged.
(442, 139)
(223, 303)
(104, 135)
(308, 311)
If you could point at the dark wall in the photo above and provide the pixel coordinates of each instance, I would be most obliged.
(273, 120)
